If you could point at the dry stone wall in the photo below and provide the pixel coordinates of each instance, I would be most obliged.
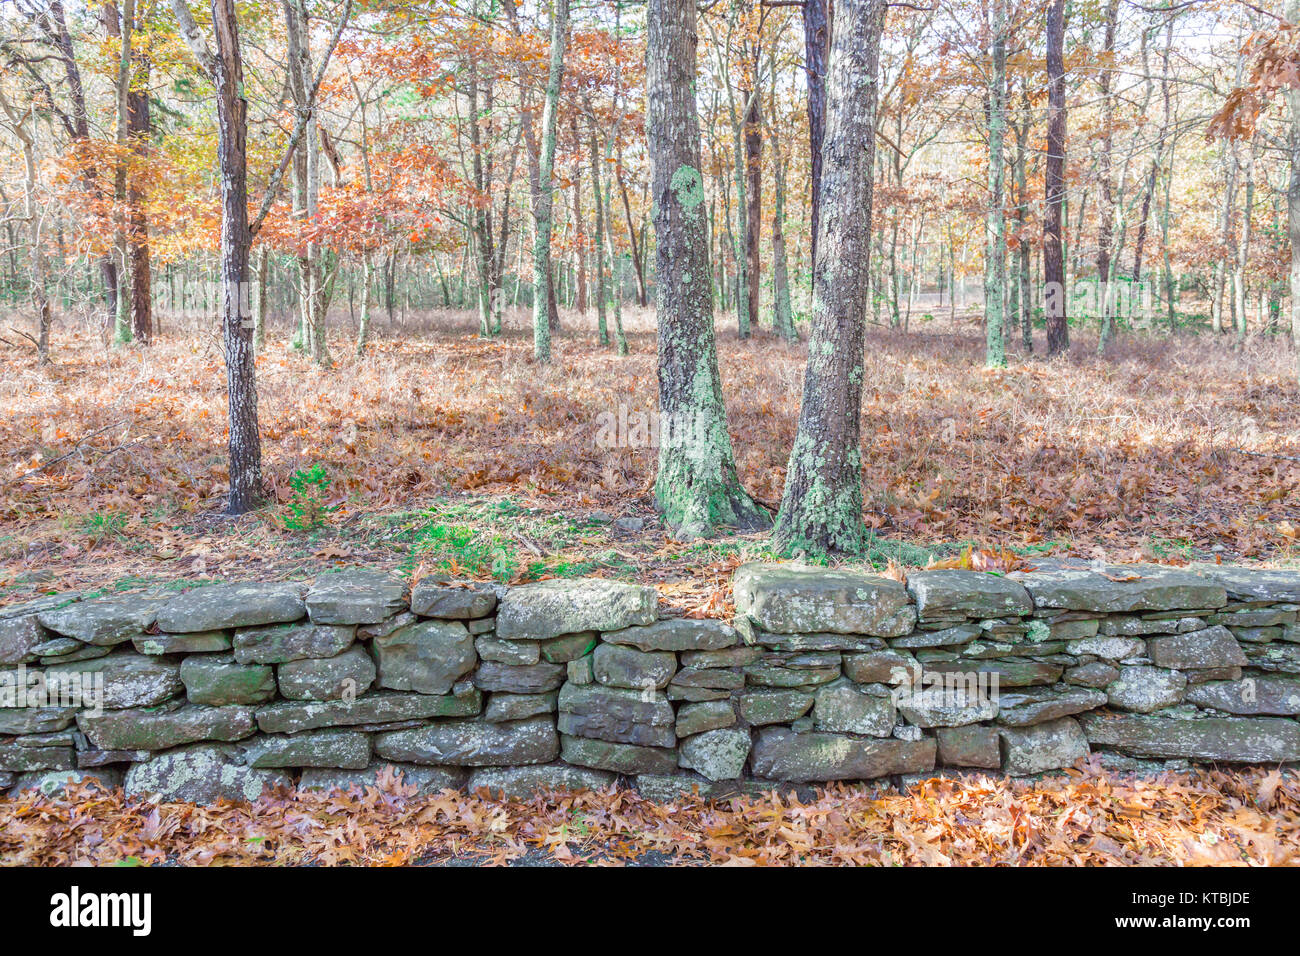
(226, 690)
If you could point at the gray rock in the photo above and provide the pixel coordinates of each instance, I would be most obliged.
(694, 694)
(1049, 746)
(524, 783)
(823, 641)
(712, 677)
(1122, 588)
(568, 647)
(618, 666)
(1263, 695)
(201, 774)
(760, 707)
(18, 637)
(507, 652)
(843, 708)
(219, 606)
(1145, 689)
(86, 652)
(368, 632)
(46, 602)
(705, 715)
(35, 720)
(716, 754)
(341, 749)
(355, 596)
(436, 598)
(776, 673)
(1038, 706)
(616, 757)
(473, 743)
(129, 679)
(57, 647)
(788, 599)
(1211, 647)
(428, 657)
(330, 678)
(1107, 648)
(618, 715)
(385, 776)
(504, 707)
(216, 680)
(676, 634)
(1232, 739)
(373, 708)
(106, 758)
(103, 621)
(974, 745)
(201, 642)
(944, 706)
(781, 754)
(581, 671)
(957, 593)
(280, 643)
(1252, 618)
(532, 679)
(727, 657)
(18, 759)
(551, 608)
(52, 783)
(1137, 626)
(882, 667)
(160, 728)
(1013, 673)
(1253, 584)
(1094, 674)
(945, 637)
(1073, 630)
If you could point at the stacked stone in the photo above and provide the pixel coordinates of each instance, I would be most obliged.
(827, 674)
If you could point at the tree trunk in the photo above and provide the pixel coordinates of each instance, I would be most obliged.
(753, 199)
(782, 311)
(1105, 229)
(817, 24)
(138, 121)
(544, 198)
(995, 349)
(821, 509)
(696, 488)
(1054, 293)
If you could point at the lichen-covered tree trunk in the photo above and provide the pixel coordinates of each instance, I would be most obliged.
(753, 199)
(995, 230)
(363, 324)
(1054, 298)
(697, 488)
(821, 509)
(817, 44)
(602, 322)
(782, 311)
(138, 122)
(544, 200)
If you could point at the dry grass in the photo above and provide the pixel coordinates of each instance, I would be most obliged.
(113, 459)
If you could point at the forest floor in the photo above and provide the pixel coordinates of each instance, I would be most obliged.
(443, 451)
(1081, 817)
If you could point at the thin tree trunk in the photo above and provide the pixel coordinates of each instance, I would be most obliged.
(995, 350)
(544, 200)
(696, 488)
(821, 509)
(1054, 293)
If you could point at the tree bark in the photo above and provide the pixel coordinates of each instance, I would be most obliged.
(821, 509)
(544, 198)
(817, 44)
(995, 229)
(696, 488)
(1054, 292)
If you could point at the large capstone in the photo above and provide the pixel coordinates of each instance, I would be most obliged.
(428, 657)
(355, 596)
(432, 597)
(202, 774)
(103, 621)
(559, 606)
(1252, 584)
(789, 599)
(781, 754)
(1122, 588)
(1231, 739)
(18, 637)
(949, 593)
(473, 743)
(219, 606)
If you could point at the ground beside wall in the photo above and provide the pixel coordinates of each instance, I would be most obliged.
(824, 674)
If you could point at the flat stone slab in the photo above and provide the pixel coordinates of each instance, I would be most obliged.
(617, 757)
(434, 598)
(281, 643)
(141, 729)
(380, 774)
(128, 679)
(355, 596)
(676, 634)
(1230, 739)
(379, 707)
(1262, 695)
(524, 783)
(1122, 588)
(1026, 708)
(781, 754)
(1253, 584)
(617, 715)
(955, 592)
(790, 599)
(340, 749)
(220, 606)
(565, 606)
(473, 743)
(103, 621)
